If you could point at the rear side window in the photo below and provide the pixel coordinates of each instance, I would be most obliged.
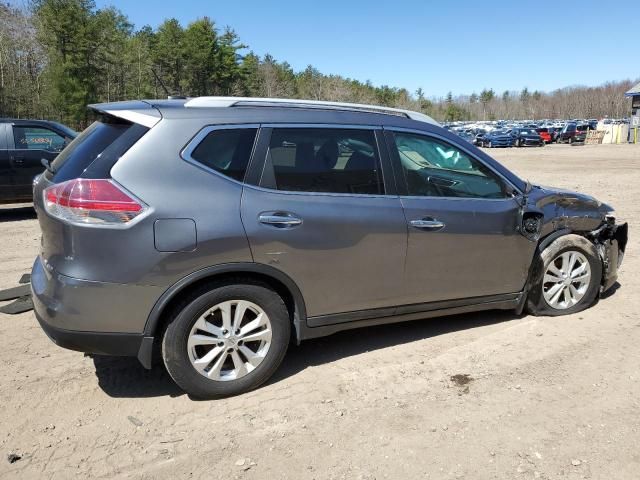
(226, 151)
(323, 160)
(107, 138)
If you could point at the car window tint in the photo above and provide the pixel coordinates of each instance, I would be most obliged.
(438, 169)
(325, 160)
(227, 151)
(106, 139)
(37, 138)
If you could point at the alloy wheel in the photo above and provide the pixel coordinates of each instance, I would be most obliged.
(566, 280)
(229, 340)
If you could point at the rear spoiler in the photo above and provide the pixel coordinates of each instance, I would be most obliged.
(135, 111)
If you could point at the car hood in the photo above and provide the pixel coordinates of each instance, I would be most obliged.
(566, 209)
(568, 199)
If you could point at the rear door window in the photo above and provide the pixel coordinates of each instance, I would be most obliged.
(323, 160)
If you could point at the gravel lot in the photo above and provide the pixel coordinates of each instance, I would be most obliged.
(549, 398)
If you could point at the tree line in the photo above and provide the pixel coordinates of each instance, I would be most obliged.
(57, 56)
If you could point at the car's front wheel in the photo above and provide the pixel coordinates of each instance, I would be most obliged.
(226, 340)
(570, 277)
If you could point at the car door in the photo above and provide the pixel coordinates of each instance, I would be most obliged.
(463, 240)
(32, 143)
(6, 186)
(325, 212)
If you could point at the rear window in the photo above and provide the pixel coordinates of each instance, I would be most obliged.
(583, 128)
(226, 151)
(108, 138)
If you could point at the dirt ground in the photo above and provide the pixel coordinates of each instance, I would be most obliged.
(480, 396)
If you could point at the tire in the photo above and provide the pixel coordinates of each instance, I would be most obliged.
(537, 304)
(570, 140)
(490, 145)
(178, 354)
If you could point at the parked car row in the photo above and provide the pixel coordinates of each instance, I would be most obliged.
(514, 137)
(523, 134)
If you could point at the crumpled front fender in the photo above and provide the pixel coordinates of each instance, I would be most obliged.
(611, 242)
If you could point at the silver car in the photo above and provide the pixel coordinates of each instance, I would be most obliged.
(214, 231)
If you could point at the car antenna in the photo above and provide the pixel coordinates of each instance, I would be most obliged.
(166, 91)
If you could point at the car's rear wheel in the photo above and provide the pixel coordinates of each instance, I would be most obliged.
(571, 271)
(226, 340)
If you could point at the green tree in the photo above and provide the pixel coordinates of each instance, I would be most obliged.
(249, 82)
(386, 95)
(199, 48)
(83, 46)
(228, 72)
(486, 96)
(167, 54)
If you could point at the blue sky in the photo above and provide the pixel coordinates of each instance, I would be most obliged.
(441, 46)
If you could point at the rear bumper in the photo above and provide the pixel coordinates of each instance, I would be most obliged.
(92, 317)
(121, 344)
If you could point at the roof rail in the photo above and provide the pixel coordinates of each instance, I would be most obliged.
(291, 102)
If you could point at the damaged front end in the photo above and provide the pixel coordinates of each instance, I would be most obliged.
(610, 241)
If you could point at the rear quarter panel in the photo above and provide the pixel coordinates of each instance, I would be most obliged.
(173, 188)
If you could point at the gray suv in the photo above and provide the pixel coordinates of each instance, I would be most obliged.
(214, 231)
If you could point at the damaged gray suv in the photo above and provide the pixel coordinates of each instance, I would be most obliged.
(212, 232)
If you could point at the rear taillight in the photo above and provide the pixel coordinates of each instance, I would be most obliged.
(92, 201)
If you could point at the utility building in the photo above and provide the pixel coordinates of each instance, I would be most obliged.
(634, 132)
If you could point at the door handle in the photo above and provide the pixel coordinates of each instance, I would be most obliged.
(279, 219)
(427, 224)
